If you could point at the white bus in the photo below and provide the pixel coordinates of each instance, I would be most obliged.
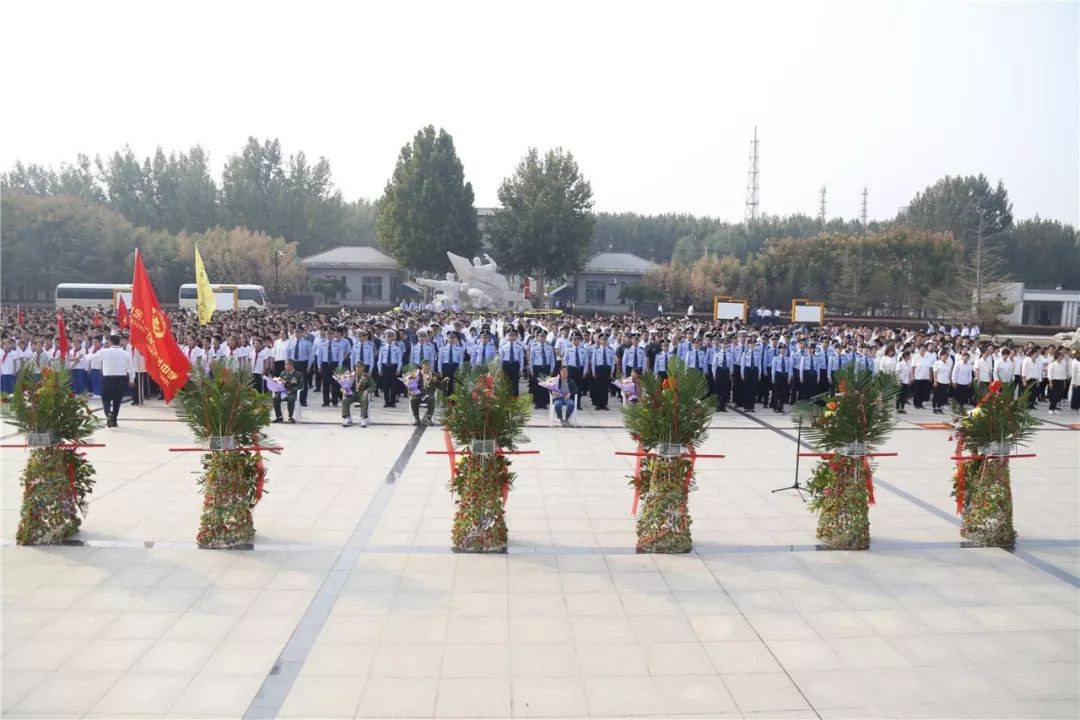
(229, 297)
(102, 295)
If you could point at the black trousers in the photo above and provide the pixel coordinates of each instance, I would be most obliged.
(722, 382)
(764, 387)
(780, 391)
(449, 373)
(388, 376)
(279, 367)
(736, 385)
(1057, 392)
(302, 368)
(578, 376)
(941, 395)
(903, 395)
(539, 394)
(750, 381)
(962, 394)
(598, 386)
(331, 391)
(1032, 388)
(290, 402)
(513, 374)
(1074, 404)
(807, 385)
(112, 394)
(922, 393)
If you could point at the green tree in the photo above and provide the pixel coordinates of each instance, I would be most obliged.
(49, 240)
(330, 288)
(964, 206)
(427, 208)
(546, 220)
(1043, 253)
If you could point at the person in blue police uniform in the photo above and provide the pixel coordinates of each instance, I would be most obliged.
(601, 361)
(337, 354)
(633, 357)
(576, 360)
(660, 361)
(697, 358)
(721, 366)
(752, 364)
(364, 350)
(301, 350)
(765, 374)
(737, 352)
(451, 356)
(484, 351)
(389, 368)
(781, 371)
(423, 350)
(541, 365)
(512, 355)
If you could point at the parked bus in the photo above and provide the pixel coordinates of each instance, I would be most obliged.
(228, 297)
(103, 295)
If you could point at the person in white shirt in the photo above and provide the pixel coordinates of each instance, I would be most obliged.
(1029, 373)
(8, 361)
(1057, 372)
(984, 368)
(962, 374)
(923, 365)
(262, 362)
(1074, 381)
(942, 382)
(118, 373)
(904, 375)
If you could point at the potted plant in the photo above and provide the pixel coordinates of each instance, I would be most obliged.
(226, 414)
(849, 426)
(483, 418)
(989, 432)
(56, 478)
(668, 421)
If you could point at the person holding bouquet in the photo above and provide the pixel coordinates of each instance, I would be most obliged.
(563, 393)
(422, 387)
(362, 384)
(291, 381)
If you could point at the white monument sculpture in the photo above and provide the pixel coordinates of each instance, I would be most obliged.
(478, 282)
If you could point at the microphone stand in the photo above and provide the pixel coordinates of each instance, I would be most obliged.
(797, 486)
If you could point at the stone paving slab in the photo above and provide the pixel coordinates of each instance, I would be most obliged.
(352, 605)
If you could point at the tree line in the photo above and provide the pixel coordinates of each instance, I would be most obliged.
(545, 226)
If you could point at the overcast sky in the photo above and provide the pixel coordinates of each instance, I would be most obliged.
(658, 100)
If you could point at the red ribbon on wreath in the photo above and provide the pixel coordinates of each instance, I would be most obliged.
(260, 482)
(637, 479)
(869, 480)
(961, 472)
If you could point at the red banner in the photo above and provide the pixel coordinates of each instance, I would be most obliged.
(61, 330)
(122, 318)
(152, 336)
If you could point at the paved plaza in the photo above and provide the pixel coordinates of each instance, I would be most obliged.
(351, 603)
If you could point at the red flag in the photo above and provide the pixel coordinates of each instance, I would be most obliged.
(122, 318)
(152, 336)
(19, 318)
(61, 330)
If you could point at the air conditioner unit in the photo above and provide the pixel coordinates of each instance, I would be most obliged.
(612, 281)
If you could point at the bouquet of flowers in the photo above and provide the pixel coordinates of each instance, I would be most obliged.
(551, 384)
(344, 378)
(628, 388)
(275, 385)
(982, 484)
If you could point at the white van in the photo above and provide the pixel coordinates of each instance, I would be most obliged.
(228, 297)
(103, 295)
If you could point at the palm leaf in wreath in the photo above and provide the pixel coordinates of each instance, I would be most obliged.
(861, 412)
(670, 410)
(223, 402)
(483, 407)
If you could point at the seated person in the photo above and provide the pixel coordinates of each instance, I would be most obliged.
(564, 393)
(363, 384)
(293, 381)
(426, 383)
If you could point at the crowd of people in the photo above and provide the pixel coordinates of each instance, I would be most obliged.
(347, 359)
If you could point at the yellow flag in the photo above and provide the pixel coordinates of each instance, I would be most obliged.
(205, 302)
